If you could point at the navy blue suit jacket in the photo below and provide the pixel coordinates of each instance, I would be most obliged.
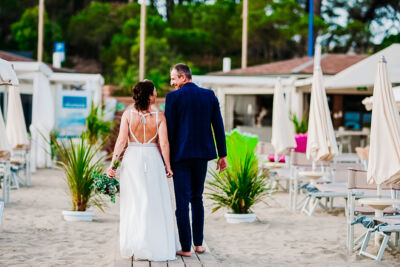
(190, 112)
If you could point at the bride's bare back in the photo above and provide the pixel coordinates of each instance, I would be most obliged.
(144, 126)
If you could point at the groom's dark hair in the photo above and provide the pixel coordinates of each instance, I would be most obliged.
(183, 69)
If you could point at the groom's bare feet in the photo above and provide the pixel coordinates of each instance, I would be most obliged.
(199, 249)
(183, 253)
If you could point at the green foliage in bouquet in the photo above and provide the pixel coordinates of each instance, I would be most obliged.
(243, 184)
(107, 185)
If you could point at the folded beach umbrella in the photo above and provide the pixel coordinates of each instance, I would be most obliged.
(282, 127)
(384, 153)
(321, 141)
(15, 128)
(4, 145)
(42, 122)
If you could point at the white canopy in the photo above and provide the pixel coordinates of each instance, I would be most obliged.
(39, 80)
(384, 154)
(321, 141)
(282, 127)
(15, 128)
(363, 73)
(7, 73)
(4, 145)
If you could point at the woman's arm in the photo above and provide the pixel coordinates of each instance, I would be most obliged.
(164, 144)
(121, 141)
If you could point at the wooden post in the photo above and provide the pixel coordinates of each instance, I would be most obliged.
(142, 40)
(244, 34)
(40, 31)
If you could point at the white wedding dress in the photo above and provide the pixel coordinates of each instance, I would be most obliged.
(146, 220)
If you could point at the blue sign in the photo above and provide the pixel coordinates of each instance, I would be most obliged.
(73, 107)
(76, 102)
(59, 47)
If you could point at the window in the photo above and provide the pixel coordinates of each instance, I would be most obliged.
(27, 107)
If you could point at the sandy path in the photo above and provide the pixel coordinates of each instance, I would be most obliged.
(34, 234)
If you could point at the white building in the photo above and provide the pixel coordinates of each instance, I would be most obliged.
(246, 95)
(44, 91)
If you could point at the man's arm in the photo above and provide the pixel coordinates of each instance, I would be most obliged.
(218, 126)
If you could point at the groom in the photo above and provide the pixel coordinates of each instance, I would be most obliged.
(193, 120)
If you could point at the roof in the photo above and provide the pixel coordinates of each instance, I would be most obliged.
(14, 57)
(363, 73)
(330, 64)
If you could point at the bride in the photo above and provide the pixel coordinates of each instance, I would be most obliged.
(146, 221)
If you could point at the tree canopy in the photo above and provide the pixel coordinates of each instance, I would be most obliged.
(197, 32)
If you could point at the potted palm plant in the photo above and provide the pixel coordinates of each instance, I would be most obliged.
(243, 184)
(76, 159)
(300, 128)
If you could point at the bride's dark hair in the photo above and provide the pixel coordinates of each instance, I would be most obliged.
(141, 94)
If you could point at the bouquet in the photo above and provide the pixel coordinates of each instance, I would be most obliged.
(107, 185)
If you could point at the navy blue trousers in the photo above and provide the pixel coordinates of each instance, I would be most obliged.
(189, 177)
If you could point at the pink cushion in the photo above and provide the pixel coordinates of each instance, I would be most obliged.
(281, 158)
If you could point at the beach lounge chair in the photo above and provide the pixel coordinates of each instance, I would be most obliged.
(279, 175)
(5, 174)
(1, 212)
(386, 226)
(335, 188)
(359, 188)
(328, 192)
(298, 162)
(20, 161)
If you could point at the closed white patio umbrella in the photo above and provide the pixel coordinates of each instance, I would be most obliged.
(384, 155)
(4, 145)
(384, 150)
(321, 141)
(282, 127)
(15, 127)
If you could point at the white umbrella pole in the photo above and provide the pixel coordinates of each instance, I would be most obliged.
(276, 157)
(5, 99)
(379, 190)
(314, 165)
